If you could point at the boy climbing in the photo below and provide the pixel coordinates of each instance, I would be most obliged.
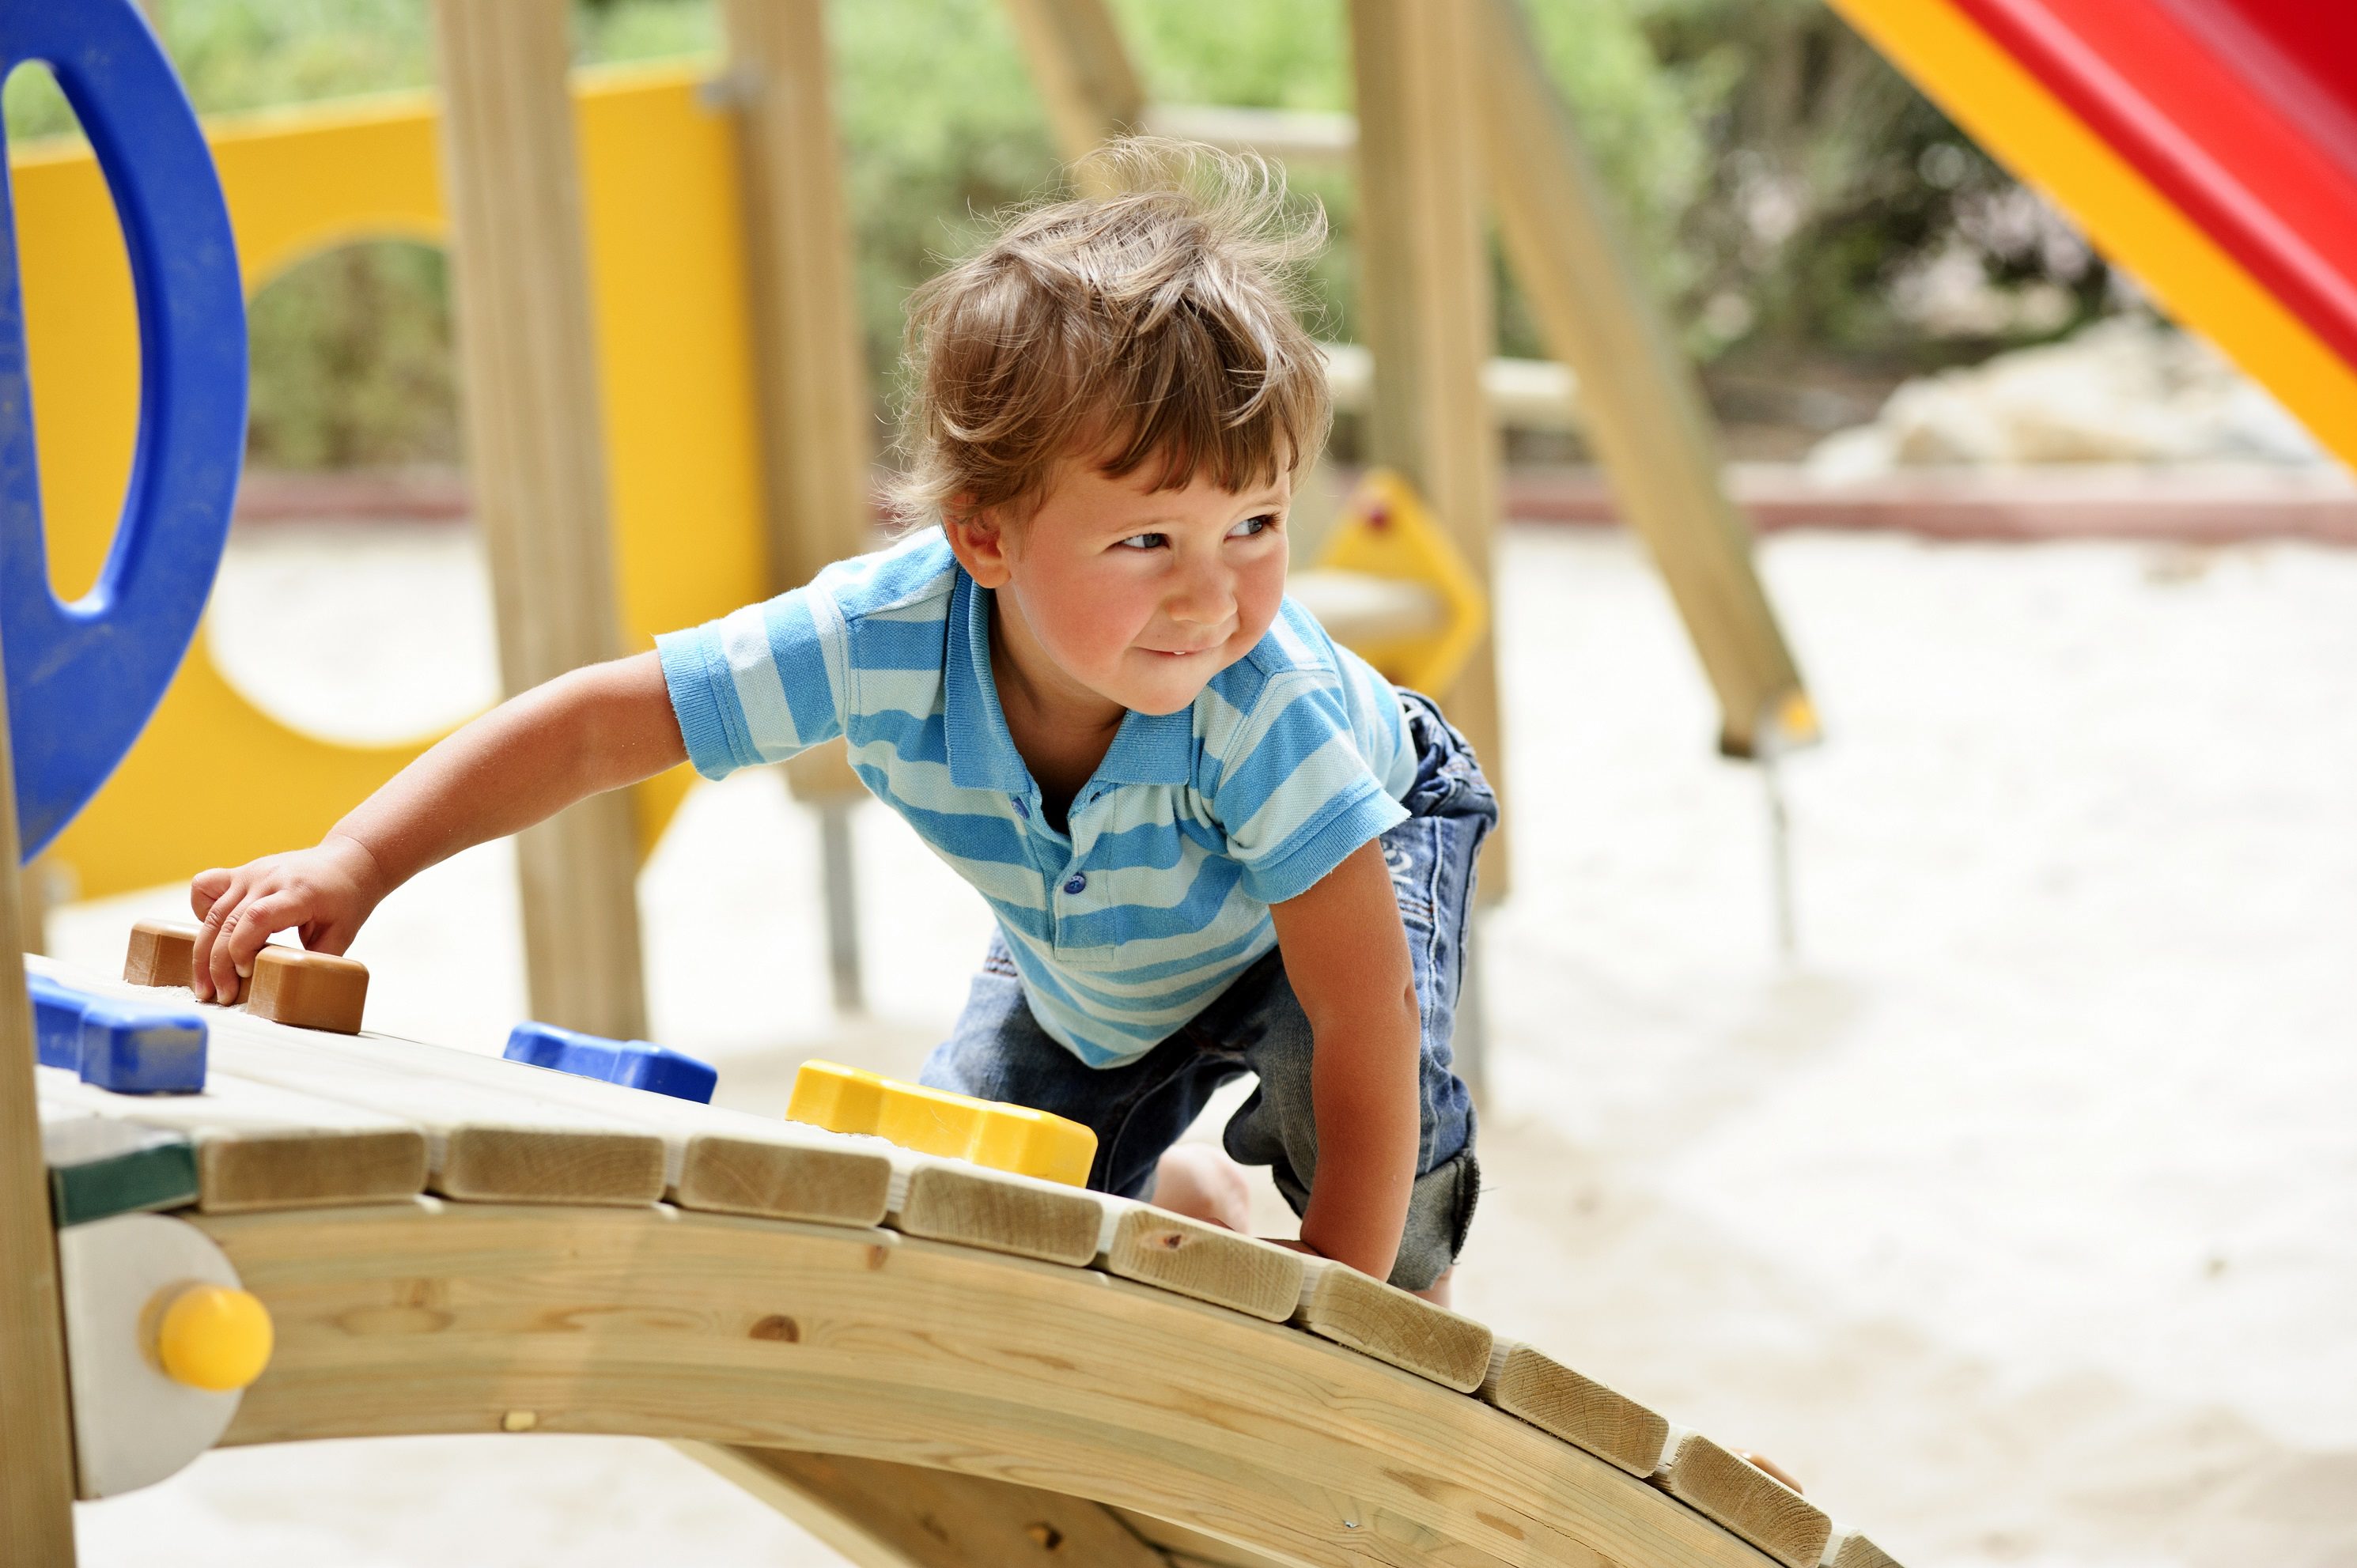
(1214, 841)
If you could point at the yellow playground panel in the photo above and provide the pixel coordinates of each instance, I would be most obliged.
(215, 781)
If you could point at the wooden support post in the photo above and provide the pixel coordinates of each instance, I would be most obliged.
(1423, 299)
(36, 1474)
(1081, 70)
(1639, 402)
(879, 1514)
(522, 288)
(816, 427)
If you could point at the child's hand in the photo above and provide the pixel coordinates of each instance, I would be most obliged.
(321, 894)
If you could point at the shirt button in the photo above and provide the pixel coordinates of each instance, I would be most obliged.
(1022, 807)
(1079, 884)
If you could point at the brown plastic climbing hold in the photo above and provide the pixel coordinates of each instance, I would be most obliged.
(308, 990)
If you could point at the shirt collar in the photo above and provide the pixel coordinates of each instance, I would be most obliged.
(1148, 748)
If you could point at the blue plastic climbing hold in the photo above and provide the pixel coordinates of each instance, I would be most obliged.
(142, 1050)
(56, 1021)
(84, 678)
(635, 1064)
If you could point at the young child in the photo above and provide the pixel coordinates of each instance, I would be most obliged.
(1215, 842)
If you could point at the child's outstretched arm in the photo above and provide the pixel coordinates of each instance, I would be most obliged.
(1346, 956)
(584, 732)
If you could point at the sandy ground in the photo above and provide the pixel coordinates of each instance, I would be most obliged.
(2013, 1212)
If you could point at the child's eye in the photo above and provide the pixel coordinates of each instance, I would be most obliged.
(1252, 526)
(1144, 542)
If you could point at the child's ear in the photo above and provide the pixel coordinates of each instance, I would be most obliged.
(978, 541)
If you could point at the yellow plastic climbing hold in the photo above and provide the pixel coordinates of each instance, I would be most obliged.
(935, 1122)
(211, 1337)
(1384, 531)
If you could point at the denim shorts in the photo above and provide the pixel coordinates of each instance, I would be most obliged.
(997, 1051)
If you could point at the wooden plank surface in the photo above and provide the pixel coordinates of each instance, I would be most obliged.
(883, 1515)
(1340, 1303)
(520, 286)
(715, 1159)
(262, 1147)
(658, 1322)
(481, 1144)
(1527, 1382)
(1640, 404)
(37, 1475)
(1747, 1501)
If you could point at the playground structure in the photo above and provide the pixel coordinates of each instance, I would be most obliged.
(450, 1244)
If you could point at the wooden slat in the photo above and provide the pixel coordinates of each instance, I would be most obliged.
(1747, 1501)
(1853, 1549)
(1641, 407)
(1340, 1303)
(261, 1147)
(949, 1200)
(883, 1515)
(100, 1168)
(1423, 303)
(480, 1144)
(1172, 1253)
(521, 287)
(1539, 1389)
(37, 1476)
(653, 1321)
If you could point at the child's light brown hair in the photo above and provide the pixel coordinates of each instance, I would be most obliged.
(1154, 325)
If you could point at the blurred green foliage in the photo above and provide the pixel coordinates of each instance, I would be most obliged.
(1780, 185)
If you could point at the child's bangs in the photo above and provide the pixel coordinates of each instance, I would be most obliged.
(1193, 407)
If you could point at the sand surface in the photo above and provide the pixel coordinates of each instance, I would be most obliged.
(2014, 1212)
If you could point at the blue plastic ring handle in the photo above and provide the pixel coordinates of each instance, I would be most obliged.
(84, 678)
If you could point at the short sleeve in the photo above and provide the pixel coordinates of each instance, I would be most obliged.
(754, 686)
(1294, 793)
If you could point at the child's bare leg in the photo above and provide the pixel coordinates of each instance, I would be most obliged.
(1200, 1182)
(1437, 1292)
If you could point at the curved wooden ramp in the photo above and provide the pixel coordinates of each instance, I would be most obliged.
(944, 1367)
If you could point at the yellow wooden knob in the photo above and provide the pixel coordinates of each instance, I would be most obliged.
(214, 1337)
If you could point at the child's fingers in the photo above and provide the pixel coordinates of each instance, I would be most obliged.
(206, 888)
(215, 910)
(250, 928)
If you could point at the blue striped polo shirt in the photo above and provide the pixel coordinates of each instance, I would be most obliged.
(1157, 897)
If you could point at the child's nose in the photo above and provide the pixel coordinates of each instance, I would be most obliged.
(1202, 597)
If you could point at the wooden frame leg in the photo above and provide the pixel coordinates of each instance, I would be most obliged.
(1638, 400)
(882, 1515)
(36, 1474)
(1424, 296)
(521, 280)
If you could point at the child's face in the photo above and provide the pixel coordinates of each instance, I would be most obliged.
(1142, 595)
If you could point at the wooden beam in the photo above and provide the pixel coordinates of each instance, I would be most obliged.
(664, 1323)
(1423, 299)
(815, 405)
(36, 1477)
(520, 286)
(1639, 402)
(816, 424)
(1083, 74)
(883, 1515)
